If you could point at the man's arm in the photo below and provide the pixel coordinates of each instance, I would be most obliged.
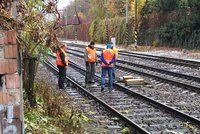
(102, 59)
(85, 55)
(113, 59)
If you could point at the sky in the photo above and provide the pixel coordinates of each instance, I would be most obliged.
(63, 3)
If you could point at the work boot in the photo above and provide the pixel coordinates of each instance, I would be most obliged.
(111, 90)
(92, 82)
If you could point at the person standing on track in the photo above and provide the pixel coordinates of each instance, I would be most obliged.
(90, 58)
(62, 63)
(116, 56)
(107, 59)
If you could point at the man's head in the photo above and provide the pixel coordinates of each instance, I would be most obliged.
(63, 46)
(92, 44)
(109, 45)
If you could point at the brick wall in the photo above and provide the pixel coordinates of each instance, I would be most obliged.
(10, 120)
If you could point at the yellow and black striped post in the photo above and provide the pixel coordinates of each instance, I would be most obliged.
(127, 35)
(76, 34)
(135, 38)
(107, 32)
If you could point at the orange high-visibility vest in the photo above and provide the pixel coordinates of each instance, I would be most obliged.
(58, 58)
(108, 55)
(91, 54)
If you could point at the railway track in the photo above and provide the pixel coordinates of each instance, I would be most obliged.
(176, 61)
(98, 119)
(169, 60)
(182, 80)
(186, 101)
(144, 112)
(80, 90)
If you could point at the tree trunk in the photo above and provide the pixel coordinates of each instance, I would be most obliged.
(29, 66)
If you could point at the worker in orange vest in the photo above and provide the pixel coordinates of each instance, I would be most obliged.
(107, 59)
(90, 57)
(62, 63)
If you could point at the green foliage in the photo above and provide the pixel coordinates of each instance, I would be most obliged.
(116, 27)
(121, 33)
(150, 6)
(98, 8)
(161, 5)
(125, 130)
(175, 31)
(183, 33)
(195, 4)
(100, 34)
(93, 28)
(120, 6)
(183, 4)
(97, 30)
(53, 114)
(167, 5)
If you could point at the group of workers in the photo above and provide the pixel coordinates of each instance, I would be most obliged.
(108, 59)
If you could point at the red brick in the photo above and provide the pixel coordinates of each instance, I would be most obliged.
(10, 51)
(15, 93)
(7, 37)
(16, 111)
(12, 81)
(11, 37)
(5, 98)
(8, 66)
(1, 51)
(3, 36)
(2, 67)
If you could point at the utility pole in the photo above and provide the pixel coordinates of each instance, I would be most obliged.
(127, 36)
(75, 32)
(107, 33)
(136, 24)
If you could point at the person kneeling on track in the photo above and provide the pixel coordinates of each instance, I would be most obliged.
(107, 58)
(62, 63)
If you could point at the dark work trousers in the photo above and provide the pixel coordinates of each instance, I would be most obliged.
(90, 72)
(110, 76)
(61, 76)
(113, 71)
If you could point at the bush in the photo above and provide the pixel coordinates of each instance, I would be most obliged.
(53, 114)
(116, 26)
(167, 5)
(183, 33)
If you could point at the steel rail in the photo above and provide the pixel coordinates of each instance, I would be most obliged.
(154, 69)
(162, 59)
(88, 94)
(130, 92)
(180, 84)
(171, 60)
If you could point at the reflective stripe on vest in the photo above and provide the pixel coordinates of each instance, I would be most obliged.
(91, 54)
(66, 57)
(108, 55)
